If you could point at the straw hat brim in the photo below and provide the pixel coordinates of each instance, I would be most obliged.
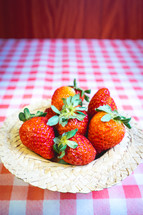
(111, 168)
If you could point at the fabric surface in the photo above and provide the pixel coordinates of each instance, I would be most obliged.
(30, 70)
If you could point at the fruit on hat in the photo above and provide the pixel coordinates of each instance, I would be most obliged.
(74, 148)
(100, 98)
(36, 134)
(61, 92)
(72, 116)
(107, 128)
(66, 91)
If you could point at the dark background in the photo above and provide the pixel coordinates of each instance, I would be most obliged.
(111, 19)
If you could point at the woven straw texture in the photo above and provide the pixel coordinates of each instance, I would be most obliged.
(114, 166)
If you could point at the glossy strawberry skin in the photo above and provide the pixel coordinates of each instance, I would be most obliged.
(73, 124)
(104, 135)
(38, 136)
(100, 98)
(61, 92)
(83, 154)
(50, 113)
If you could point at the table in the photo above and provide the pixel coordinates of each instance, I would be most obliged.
(30, 70)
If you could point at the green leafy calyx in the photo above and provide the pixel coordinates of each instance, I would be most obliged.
(61, 142)
(26, 115)
(82, 92)
(72, 109)
(113, 115)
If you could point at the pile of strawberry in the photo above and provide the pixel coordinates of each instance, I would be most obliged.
(70, 132)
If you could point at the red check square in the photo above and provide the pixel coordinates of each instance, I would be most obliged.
(5, 192)
(7, 96)
(132, 191)
(67, 196)
(4, 170)
(35, 193)
(127, 107)
(103, 194)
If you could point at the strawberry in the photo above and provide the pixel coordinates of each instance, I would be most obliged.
(61, 92)
(49, 113)
(72, 116)
(81, 92)
(106, 128)
(36, 134)
(101, 97)
(73, 124)
(65, 92)
(74, 148)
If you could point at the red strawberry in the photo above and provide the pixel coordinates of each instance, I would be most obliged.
(81, 92)
(74, 148)
(106, 128)
(36, 134)
(65, 92)
(70, 117)
(49, 112)
(61, 92)
(73, 124)
(101, 97)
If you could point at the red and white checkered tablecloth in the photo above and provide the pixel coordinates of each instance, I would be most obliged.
(31, 70)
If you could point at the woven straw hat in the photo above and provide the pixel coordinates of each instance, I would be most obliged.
(114, 166)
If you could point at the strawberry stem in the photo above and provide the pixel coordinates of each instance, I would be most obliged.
(70, 110)
(26, 115)
(61, 142)
(113, 115)
(82, 92)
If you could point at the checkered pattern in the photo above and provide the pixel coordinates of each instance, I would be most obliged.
(30, 70)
